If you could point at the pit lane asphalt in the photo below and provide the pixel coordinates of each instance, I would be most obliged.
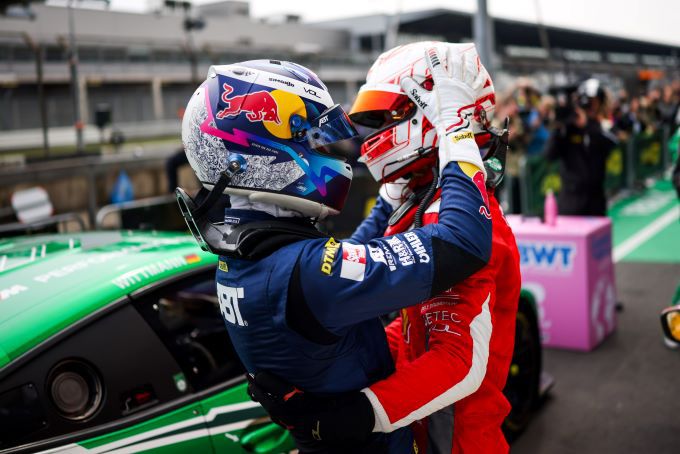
(624, 396)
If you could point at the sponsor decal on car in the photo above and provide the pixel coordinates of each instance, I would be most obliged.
(330, 251)
(98, 259)
(353, 262)
(192, 258)
(217, 421)
(145, 272)
(9, 292)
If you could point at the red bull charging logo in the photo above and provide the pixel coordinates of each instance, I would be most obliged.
(258, 105)
(478, 180)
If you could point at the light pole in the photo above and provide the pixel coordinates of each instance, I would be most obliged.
(75, 83)
(190, 24)
(483, 36)
(38, 52)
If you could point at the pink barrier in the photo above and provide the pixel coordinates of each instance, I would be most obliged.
(568, 268)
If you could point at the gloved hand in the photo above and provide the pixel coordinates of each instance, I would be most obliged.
(345, 418)
(451, 103)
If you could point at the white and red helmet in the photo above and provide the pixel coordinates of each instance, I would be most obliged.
(403, 133)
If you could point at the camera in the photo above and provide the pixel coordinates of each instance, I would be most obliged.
(583, 95)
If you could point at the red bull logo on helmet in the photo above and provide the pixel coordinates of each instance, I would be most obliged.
(258, 105)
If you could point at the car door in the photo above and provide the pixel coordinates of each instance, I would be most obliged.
(105, 384)
(186, 317)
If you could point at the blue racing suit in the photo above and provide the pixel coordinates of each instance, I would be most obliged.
(308, 312)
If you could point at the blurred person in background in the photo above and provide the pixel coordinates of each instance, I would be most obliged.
(540, 122)
(625, 116)
(507, 107)
(581, 145)
(668, 106)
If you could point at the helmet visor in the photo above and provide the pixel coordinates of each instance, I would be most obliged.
(377, 108)
(333, 125)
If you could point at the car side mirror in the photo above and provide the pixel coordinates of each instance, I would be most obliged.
(670, 323)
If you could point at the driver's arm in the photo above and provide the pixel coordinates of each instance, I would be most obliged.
(343, 283)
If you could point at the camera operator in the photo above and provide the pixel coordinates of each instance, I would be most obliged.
(581, 145)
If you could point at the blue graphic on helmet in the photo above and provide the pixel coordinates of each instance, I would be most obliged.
(276, 128)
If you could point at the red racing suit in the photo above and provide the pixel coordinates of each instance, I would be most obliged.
(432, 345)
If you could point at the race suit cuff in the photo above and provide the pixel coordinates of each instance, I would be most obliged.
(391, 195)
(382, 422)
(459, 146)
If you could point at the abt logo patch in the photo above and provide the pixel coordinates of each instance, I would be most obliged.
(353, 262)
(229, 298)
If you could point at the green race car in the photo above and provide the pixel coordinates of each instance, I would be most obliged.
(114, 342)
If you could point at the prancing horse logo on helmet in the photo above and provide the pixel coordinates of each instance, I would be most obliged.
(258, 105)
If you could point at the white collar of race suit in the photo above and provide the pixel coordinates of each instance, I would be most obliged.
(239, 202)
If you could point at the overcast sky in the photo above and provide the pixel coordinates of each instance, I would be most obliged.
(651, 20)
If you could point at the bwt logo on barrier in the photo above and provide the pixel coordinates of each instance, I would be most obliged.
(547, 255)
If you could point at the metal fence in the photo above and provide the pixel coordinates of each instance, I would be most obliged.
(641, 156)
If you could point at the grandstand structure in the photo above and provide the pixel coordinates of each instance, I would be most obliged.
(141, 64)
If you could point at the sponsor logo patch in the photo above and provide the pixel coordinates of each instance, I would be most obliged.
(222, 265)
(192, 258)
(353, 262)
(258, 105)
(401, 250)
(462, 136)
(417, 246)
(229, 304)
(330, 250)
(382, 256)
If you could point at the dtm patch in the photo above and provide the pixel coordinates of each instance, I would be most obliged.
(330, 251)
(353, 262)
